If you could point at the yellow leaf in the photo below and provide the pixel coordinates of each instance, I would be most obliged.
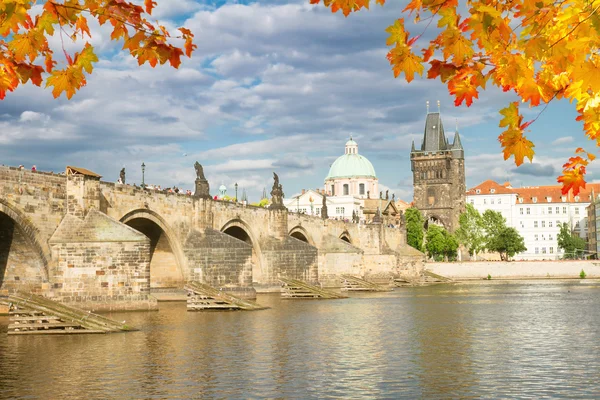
(67, 80)
(86, 58)
(403, 60)
(397, 33)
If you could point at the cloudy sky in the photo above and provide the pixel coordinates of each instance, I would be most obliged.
(273, 86)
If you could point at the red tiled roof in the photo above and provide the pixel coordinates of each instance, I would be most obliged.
(541, 194)
(486, 188)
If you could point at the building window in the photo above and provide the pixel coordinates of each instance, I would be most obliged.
(499, 201)
(543, 224)
(563, 199)
(549, 224)
(534, 199)
(333, 190)
(549, 236)
(521, 210)
(484, 201)
(577, 198)
(551, 250)
(543, 250)
(477, 191)
(492, 201)
(492, 190)
(537, 250)
(577, 224)
(549, 199)
(318, 211)
(549, 210)
(520, 200)
(527, 210)
(536, 237)
(472, 201)
(557, 210)
(564, 210)
(345, 189)
(576, 210)
(361, 188)
(535, 224)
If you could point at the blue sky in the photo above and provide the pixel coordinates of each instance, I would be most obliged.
(273, 86)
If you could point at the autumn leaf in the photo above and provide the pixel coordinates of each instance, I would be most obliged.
(463, 90)
(68, 80)
(403, 60)
(573, 180)
(517, 145)
(86, 58)
(149, 5)
(397, 33)
(82, 26)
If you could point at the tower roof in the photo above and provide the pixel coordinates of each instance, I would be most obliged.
(434, 138)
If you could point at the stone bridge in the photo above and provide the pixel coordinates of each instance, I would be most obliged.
(106, 246)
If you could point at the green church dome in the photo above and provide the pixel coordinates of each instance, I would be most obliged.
(351, 166)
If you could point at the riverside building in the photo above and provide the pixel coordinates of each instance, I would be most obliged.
(350, 182)
(536, 212)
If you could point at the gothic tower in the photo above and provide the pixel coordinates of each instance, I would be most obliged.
(439, 175)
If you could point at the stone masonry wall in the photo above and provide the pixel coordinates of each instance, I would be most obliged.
(220, 260)
(103, 276)
(289, 258)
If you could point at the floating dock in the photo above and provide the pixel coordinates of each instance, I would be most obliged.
(297, 289)
(202, 297)
(353, 283)
(31, 314)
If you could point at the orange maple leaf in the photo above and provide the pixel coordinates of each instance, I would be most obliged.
(82, 26)
(463, 90)
(572, 180)
(67, 80)
(149, 4)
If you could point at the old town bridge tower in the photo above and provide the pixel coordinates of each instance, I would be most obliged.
(439, 175)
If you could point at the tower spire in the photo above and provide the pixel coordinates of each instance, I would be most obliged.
(427, 106)
(438, 103)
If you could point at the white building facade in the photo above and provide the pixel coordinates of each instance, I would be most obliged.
(536, 213)
(310, 202)
(351, 180)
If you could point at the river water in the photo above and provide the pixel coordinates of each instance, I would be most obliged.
(484, 340)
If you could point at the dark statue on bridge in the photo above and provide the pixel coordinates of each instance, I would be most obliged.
(324, 214)
(202, 187)
(277, 194)
(387, 194)
(122, 176)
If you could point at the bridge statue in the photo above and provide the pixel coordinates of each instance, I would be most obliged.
(276, 194)
(324, 213)
(387, 194)
(202, 186)
(122, 175)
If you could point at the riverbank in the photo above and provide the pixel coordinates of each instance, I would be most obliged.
(473, 270)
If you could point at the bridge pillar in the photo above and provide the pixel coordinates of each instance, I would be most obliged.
(278, 223)
(83, 194)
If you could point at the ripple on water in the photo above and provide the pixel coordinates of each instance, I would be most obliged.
(456, 341)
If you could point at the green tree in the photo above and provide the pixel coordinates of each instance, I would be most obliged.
(261, 203)
(414, 228)
(571, 244)
(470, 232)
(435, 242)
(440, 244)
(493, 223)
(451, 246)
(507, 242)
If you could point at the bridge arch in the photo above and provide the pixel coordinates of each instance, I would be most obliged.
(241, 230)
(345, 236)
(300, 233)
(20, 245)
(167, 260)
(433, 220)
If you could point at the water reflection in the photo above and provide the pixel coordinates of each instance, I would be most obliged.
(457, 341)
